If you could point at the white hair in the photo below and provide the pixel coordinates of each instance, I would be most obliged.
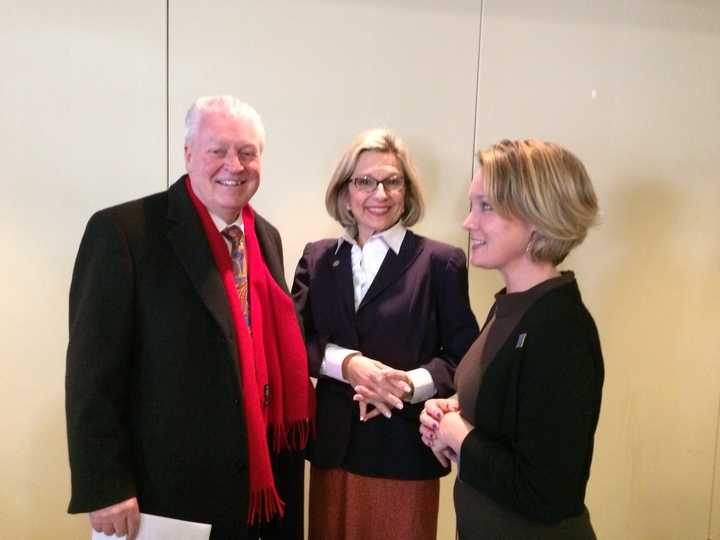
(227, 104)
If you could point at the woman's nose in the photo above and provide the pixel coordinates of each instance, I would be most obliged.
(380, 192)
(470, 222)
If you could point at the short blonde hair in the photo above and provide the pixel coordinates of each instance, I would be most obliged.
(545, 186)
(379, 140)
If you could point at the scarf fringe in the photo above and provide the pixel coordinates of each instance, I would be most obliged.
(292, 437)
(277, 335)
(264, 506)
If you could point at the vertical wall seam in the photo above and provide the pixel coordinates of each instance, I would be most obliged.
(167, 93)
(714, 472)
(477, 100)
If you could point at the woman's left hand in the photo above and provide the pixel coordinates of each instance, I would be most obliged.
(388, 390)
(444, 454)
(452, 431)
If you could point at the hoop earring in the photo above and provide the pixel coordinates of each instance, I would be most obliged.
(530, 244)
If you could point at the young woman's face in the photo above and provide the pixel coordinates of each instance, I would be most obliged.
(495, 242)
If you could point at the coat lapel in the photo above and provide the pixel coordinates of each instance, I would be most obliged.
(188, 239)
(341, 269)
(271, 248)
(392, 267)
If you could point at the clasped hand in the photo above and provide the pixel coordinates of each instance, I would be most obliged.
(443, 430)
(376, 384)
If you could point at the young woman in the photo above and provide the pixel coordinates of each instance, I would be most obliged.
(522, 424)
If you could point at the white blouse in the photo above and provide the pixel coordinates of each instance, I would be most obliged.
(366, 262)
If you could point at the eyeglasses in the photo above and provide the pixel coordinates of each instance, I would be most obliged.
(368, 184)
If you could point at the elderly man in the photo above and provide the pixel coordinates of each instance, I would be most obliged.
(187, 391)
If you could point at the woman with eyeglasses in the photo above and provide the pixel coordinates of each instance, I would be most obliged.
(522, 425)
(386, 317)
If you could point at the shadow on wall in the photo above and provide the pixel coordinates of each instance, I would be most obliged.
(645, 279)
(641, 253)
(48, 492)
(445, 188)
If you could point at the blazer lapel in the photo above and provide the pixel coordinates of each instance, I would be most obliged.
(341, 269)
(392, 267)
(188, 239)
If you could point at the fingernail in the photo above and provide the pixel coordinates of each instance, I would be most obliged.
(362, 418)
(407, 389)
(388, 414)
(399, 406)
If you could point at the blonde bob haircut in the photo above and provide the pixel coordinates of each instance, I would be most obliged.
(379, 140)
(545, 186)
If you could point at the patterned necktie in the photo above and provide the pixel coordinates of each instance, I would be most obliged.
(239, 266)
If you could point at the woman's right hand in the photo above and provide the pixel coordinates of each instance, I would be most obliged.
(431, 416)
(430, 419)
(375, 384)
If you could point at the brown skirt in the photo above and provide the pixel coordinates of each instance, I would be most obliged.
(346, 506)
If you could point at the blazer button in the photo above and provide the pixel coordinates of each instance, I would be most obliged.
(236, 402)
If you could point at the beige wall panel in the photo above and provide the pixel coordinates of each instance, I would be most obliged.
(321, 71)
(634, 89)
(83, 109)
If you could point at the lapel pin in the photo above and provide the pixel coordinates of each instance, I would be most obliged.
(336, 262)
(521, 341)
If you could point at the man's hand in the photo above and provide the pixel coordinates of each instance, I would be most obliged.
(119, 519)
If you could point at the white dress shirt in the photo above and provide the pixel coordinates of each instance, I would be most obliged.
(366, 262)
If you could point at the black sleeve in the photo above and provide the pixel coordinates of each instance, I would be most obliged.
(542, 472)
(458, 328)
(301, 296)
(100, 350)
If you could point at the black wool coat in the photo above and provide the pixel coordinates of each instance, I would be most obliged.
(153, 389)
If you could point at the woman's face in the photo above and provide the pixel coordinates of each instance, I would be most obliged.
(495, 242)
(381, 208)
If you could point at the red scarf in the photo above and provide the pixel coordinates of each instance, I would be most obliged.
(274, 355)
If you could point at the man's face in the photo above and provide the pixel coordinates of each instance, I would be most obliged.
(224, 163)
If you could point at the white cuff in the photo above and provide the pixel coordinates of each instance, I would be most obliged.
(331, 365)
(423, 383)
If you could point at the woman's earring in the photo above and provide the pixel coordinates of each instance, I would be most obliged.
(531, 242)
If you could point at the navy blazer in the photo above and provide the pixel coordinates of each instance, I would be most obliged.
(153, 390)
(416, 313)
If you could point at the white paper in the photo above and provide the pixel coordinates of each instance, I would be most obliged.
(163, 528)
